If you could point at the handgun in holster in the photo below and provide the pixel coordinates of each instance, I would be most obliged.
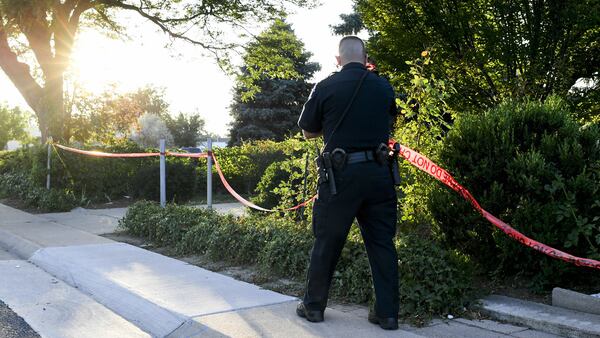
(394, 166)
(328, 166)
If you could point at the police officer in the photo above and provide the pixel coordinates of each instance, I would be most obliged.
(362, 186)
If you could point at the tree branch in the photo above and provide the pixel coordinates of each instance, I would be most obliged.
(18, 73)
(162, 24)
(37, 31)
(65, 26)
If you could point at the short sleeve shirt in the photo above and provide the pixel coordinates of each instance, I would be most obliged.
(367, 123)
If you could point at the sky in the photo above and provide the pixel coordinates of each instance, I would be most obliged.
(192, 82)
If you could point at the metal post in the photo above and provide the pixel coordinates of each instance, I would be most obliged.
(163, 175)
(209, 173)
(48, 163)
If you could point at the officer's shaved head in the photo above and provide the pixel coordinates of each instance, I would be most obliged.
(351, 49)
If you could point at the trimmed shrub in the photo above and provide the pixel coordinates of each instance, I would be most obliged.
(182, 178)
(432, 280)
(534, 167)
(54, 200)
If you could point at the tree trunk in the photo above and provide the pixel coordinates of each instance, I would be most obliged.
(53, 105)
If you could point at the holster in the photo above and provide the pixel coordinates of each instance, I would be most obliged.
(325, 166)
(382, 154)
(393, 162)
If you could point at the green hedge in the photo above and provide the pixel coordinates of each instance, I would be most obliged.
(20, 186)
(432, 281)
(102, 179)
(533, 166)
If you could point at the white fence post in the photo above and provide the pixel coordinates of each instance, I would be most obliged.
(48, 163)
(163, 175)
(209, 173)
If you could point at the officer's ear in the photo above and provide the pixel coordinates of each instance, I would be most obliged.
(338, 59)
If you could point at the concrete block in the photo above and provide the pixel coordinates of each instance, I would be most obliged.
(555, 320)
(155, 292)
(575, 301)
(55, 309)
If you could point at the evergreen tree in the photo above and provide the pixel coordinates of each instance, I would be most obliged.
(272, 86)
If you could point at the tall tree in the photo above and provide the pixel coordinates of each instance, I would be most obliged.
(186, 130)
(110, 114)
(272, 85)
(13, 125)
(489, 49)
(44, 32)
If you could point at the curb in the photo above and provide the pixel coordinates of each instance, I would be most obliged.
(141, 312)
(17, 245)
(542, 317)
(125, 279)
(575, 301)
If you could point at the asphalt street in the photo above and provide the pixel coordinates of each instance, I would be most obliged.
(13, 326)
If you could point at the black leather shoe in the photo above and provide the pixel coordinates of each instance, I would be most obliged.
(314, 316)
(390, 323)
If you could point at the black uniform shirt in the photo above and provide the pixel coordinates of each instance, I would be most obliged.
(368, 121)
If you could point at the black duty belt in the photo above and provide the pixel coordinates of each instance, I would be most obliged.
(360, 156)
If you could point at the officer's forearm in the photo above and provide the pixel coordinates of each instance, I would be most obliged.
(309, 135)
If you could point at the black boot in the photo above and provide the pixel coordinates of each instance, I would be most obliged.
(390, 323)
(310, 315)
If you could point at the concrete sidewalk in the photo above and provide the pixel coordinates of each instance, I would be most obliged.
(136, 292)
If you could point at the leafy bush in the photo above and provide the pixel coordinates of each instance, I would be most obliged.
(181, 180)
(282, 184)
(19, 185)
(101, 179)
(531, 165)
(243, 166)
(432, 281)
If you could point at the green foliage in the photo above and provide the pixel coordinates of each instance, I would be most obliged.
(531, 165)
(351, 24)
(244, 165)
(424, 119)
(282, 184)
(13, 125)
(103, 117)
(104, 179)
(432, 281)
(489, 50)
(19, 185)
(181, 180)
(186, 130)
(95, 179)
(272, 86)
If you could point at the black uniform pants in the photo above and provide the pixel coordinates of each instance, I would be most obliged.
(365, 192)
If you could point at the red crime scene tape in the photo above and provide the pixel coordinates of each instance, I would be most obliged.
(426, 165)
(192, 155)
(245, 201)
(102, 154)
